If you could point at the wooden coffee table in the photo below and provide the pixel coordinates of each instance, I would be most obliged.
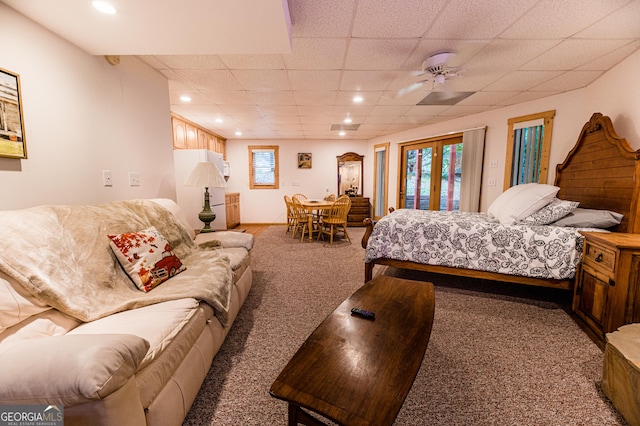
(357, 371)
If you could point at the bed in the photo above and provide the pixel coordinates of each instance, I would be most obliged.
(601, 173)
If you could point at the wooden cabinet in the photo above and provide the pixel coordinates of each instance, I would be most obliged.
(605, 294)
(232, 205)
(359, 211)
(188, 135)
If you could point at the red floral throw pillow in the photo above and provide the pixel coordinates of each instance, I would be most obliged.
(146, 256)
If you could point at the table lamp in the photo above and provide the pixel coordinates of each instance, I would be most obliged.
(207, 175)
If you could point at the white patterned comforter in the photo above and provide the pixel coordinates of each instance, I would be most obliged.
(476, 241)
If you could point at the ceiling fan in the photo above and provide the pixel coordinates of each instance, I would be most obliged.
(434, 71)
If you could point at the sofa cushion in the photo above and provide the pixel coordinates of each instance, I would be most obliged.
(16, 303)
(45, 324)
(157, 324)
(76, 368)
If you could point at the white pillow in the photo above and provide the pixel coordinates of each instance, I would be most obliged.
(520, 201)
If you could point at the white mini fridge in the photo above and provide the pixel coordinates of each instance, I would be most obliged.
(191, 199)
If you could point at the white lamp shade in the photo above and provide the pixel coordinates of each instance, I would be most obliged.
(205, 175)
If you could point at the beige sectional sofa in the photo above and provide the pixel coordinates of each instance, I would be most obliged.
(76, 332)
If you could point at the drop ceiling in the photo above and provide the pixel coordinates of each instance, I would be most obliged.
(273, 69)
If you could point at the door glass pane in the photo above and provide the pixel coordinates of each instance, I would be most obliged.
(451, 173)
(418, 178)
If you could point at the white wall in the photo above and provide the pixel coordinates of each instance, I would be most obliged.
(81, 116)
(615, 94)
(267, 205)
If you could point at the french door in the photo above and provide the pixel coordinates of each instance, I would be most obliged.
(431, 173)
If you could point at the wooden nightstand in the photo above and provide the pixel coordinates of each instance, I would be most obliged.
(605, 295)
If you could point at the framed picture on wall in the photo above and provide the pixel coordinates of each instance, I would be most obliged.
(12, 141)
(304, 160)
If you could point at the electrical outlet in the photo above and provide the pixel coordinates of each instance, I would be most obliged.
(492, 182)
(107, 179)
(134, 179)
(493, 163)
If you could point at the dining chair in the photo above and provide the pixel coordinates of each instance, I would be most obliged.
(299, 197)
(330, 197)
(302, 221)
(335, 219)
(291, 214)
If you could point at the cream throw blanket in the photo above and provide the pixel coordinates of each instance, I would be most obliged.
(61, 255)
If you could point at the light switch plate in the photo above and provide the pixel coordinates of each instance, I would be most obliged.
(134, 179)
(107, 178)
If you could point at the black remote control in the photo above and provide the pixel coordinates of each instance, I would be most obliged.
(362, 313)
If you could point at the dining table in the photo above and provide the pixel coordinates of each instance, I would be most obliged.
(316, 206)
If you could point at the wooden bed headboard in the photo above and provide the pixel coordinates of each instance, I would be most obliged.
(602, 172)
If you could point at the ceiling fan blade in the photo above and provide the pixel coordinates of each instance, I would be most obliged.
(406, 90)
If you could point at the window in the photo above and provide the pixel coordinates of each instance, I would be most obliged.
(528, 149)
(263, 167)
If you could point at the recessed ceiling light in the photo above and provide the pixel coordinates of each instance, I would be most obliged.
(185, 98)
(238, 133)
(342, 133)
(347, 120)
(357, 99)
(218, 120)
(104, 7)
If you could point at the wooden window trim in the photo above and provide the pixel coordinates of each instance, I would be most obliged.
(547, 117)
(252, 184)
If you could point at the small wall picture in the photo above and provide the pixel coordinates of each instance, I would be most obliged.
(12, 141)
(304, 160)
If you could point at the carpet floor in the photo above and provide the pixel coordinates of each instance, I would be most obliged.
(499, 354)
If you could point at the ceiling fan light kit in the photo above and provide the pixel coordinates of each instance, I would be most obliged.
(435, 71)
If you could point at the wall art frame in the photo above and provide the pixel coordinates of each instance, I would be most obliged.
(304, 160)
(12, 137)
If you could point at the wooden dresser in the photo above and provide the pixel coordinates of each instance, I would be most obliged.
(359, 211)
(605, 294)
(232, 207)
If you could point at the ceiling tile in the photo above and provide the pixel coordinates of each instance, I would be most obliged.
(315, 79)
(392, 19)
(569, 80)
(272, 97)
(572, 53)
(262, 79)
(253, 62)
(196, 62)
(379, 54)
(609, 60)
(551, 19)
(316, 54)
(326, 18)
(233, 97)
(314, 97)
(623, 23)
(203, 79)
(464, 19)
(366, 80)
(522, 80)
